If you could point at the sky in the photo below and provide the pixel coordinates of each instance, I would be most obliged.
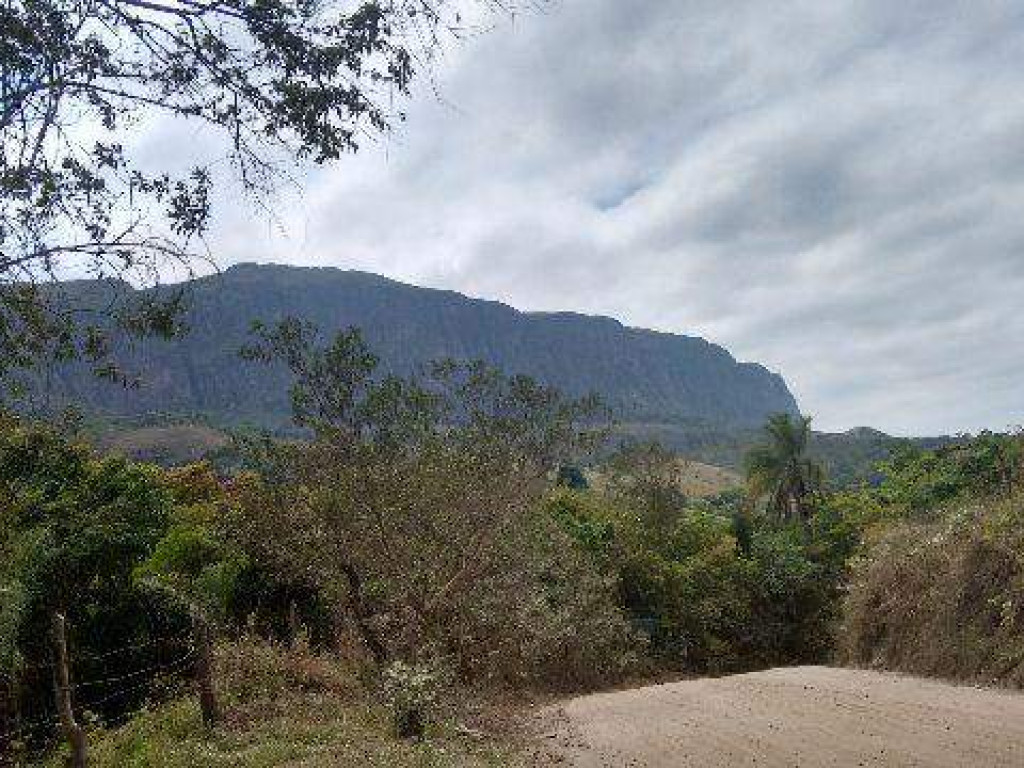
(832, 189)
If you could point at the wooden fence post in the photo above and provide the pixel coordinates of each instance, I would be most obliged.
(6, 726)
(62, 690)
(204, 671)
(294, 627)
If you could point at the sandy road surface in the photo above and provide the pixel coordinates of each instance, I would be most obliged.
(808, 716)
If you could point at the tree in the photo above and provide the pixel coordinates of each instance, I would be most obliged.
(415, 510)
(651, 477)
(781, 471)
(73, 528)
(272, 82)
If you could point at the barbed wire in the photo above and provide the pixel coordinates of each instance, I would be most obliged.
(138, 673)
(177, 666)
(133, 647)
(151, 672)
(169, 641)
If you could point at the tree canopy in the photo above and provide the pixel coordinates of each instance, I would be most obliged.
(780, 469)
(270, 82)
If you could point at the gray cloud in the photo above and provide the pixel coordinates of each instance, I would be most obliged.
(833, 189)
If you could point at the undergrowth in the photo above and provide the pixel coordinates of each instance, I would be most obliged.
(289, 706)
(943, 598)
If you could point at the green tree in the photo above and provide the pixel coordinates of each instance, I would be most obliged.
(194, 564)
(780, 470)
(649, 477)
(73, 529)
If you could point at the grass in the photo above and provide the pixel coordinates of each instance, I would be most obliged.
(307, 730)
(292, 708)
(170, 445)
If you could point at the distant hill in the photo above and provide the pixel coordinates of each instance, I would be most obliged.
(849, 457)
(648, 377)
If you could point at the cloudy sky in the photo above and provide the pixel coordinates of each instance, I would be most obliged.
(834, 189)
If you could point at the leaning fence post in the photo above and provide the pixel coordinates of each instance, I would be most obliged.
(204, 671)
(62, 690)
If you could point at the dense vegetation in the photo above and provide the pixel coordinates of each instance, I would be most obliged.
(936, 590)
(458, 529)
(712, 587)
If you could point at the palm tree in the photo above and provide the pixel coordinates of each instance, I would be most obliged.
(780, 470)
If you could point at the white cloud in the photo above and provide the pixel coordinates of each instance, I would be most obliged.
(832, 189)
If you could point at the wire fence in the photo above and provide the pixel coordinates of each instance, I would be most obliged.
(154, 642)
(145, 677)
(167, 669)
(132, 675)
(168, 642)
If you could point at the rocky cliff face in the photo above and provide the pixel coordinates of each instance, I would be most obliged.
(651, 378)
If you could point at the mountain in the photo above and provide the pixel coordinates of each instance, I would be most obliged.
(650, 378)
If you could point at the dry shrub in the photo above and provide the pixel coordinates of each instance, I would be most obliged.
(446, 553)
(252, 673)
(548, 617)
(942, 599)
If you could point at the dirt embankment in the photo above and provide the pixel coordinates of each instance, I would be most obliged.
(807, 717)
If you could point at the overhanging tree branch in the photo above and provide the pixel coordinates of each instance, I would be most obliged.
(277, 81)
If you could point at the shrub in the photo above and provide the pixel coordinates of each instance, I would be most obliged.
(705, 602)
(795, 598)
(73, 528)
(411, 691)
(942, 598)
(252, 672)
(917, 483)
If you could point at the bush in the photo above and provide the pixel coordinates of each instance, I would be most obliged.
(794, 592)
(411, 691)
(467, 567)
(73, 529)
(943, 598)
(917, 483)
(251, 672)
(706, 603)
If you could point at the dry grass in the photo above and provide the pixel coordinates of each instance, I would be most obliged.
(943, 599)
(288, 707)
(695, 479)
(171, 445)
(704, 480)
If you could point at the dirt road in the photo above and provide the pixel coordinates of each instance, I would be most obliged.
(807, 717)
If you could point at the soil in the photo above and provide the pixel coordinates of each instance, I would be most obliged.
(805, 716)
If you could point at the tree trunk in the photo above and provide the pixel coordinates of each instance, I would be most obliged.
(361, 616)
(294, 625)
(204, 672)
(795, 511)
(6, 726)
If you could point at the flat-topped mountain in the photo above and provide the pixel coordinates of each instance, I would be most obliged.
(648, 377)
